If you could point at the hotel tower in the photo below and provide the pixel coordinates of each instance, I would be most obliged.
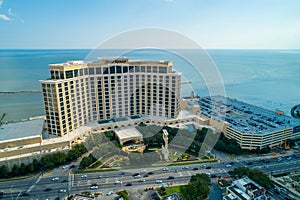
(79, 92)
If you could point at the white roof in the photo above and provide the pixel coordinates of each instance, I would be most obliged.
(128, 133)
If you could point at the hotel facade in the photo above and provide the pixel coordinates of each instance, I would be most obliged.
(79, 92)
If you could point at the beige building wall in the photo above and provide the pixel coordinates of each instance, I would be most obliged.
(80, 92)
(254, 141)
(20, 142)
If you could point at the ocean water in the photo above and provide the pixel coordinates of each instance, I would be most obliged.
(266, 78)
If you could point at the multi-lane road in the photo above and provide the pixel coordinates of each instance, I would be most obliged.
(61, 182)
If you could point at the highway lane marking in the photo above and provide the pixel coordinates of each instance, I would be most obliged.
(32, 186)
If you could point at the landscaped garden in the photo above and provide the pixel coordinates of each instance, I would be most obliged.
(183, 145)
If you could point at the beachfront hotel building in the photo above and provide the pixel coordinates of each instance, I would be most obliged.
(79, 92)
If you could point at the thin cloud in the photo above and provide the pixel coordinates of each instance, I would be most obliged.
(10, 12)
(4, 17)
(1, 2)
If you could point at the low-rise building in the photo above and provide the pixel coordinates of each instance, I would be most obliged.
(245, 189)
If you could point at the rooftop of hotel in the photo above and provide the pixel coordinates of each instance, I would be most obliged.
(113, 60)
(244, 117)
(23, 129)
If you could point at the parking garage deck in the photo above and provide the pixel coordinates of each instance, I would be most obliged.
(244, 117)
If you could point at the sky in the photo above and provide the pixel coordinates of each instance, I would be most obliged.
(214, 24)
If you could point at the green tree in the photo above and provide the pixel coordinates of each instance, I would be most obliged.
(30, 168)
(81, 148)
(255, 175)
(73, 154)
(197, 188)
(86, 161)
(36, 164)
(124, 194)
(22, 169)
(59, 158)
(15, 170)
(47, 162)
(4, 171)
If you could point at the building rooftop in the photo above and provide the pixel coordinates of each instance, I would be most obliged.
(244, 117)
(128, 133)
(23, 129)
(123, 60)
(246, 189)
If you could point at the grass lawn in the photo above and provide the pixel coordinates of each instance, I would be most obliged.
(172, 189)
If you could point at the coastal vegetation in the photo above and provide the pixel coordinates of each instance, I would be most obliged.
(47, 162)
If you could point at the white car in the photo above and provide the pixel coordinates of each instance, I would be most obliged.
(109, 193)
(94, 187)
(165, 169)
(158, 181)
(142, 180)
(185, 167)
(228, 165)
(65, 166)
(137, 176)
(84, 176)
(55, 179)
(118, 182)
(63, 190)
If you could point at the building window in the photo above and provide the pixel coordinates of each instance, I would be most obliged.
(69, 74)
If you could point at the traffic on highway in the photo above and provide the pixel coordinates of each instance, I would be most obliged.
(62, 182)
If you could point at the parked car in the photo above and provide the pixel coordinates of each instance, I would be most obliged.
(165, 169)
(171, 177)
(185, 167)
(195, 168)
(208, 167)
(84, 176)
(128, 184)
(158, 181)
